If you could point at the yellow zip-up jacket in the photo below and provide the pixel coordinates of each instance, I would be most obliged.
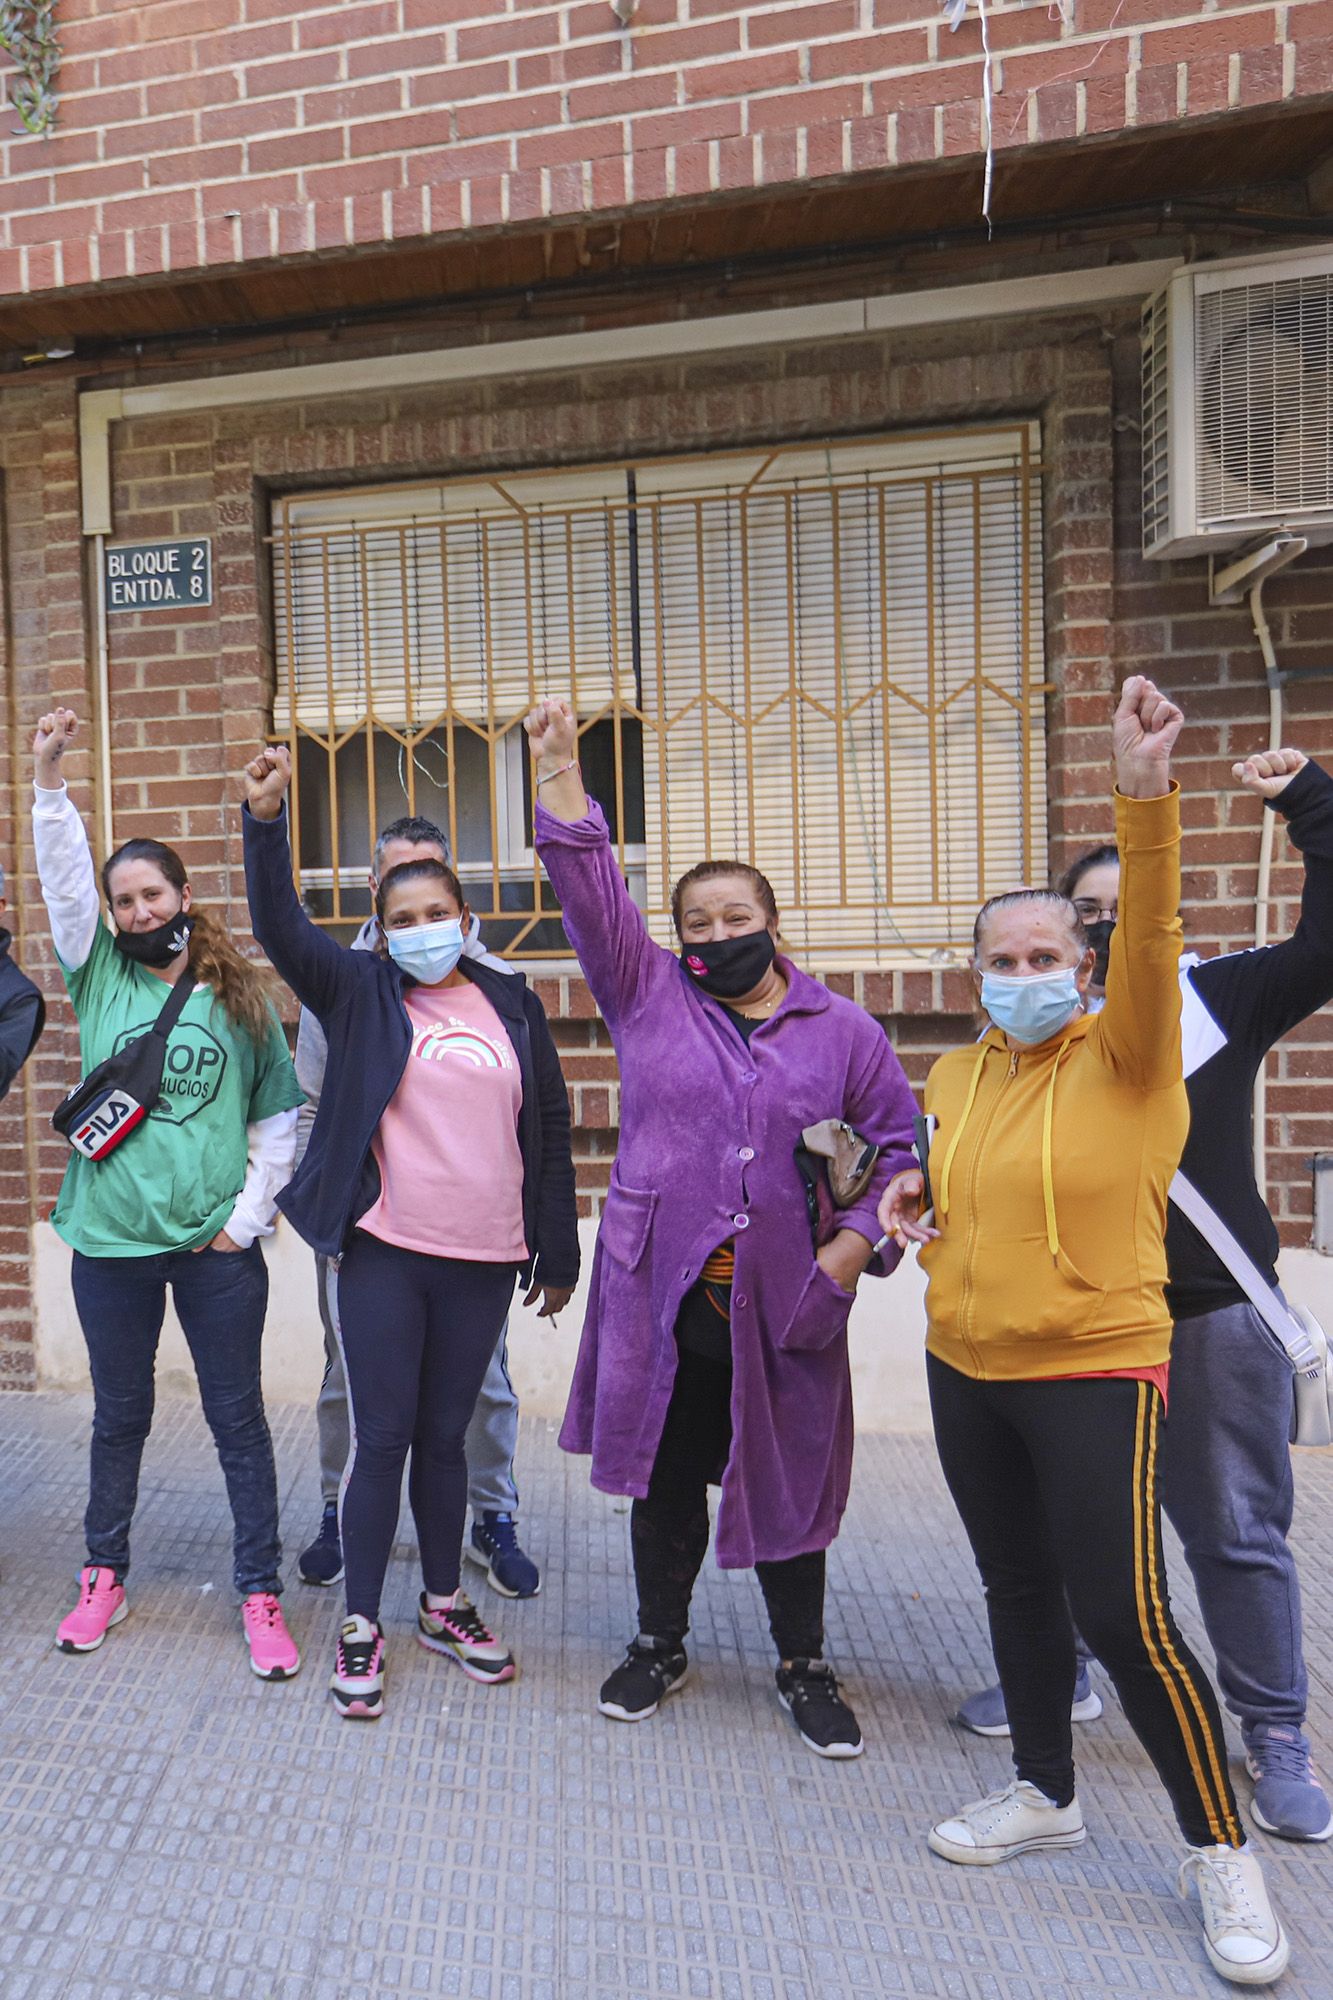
(1050, 1166)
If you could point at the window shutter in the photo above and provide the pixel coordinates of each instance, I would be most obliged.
(834, 653)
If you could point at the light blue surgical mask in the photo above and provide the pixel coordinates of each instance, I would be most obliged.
(1031, 1010)
(428, 951)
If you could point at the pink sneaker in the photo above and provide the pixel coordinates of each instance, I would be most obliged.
(101, 1604)
(358, 1669)
(273, 1654)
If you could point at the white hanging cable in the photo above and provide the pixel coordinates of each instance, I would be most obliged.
(955, 12)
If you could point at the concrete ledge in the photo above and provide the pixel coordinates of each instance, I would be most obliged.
(888, 1327)
(887, 1371)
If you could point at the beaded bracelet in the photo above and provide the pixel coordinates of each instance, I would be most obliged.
(573, 765)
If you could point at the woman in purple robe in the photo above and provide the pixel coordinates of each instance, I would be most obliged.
(714, 1351)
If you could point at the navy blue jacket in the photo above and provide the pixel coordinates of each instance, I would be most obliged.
(22, 1016)
(358, 999)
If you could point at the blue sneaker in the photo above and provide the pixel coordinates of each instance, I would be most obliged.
(1288, 1797)
(322, 1562)
(983, 1712)
(494, 1548)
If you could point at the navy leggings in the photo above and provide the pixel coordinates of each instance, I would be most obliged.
(418, 1334)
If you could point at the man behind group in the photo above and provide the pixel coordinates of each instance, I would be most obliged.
(22, 1009)
(493, 1433)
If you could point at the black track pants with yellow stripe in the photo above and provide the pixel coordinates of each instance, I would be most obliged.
(1057, 1484)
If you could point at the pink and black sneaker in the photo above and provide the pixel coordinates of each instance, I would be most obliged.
(357, 1685)
(101, 1605)
(455, 1630)
(273, 1654)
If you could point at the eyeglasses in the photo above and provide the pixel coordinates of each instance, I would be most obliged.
(1093, 912)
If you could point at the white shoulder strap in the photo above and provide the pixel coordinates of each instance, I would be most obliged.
(1267, 1302)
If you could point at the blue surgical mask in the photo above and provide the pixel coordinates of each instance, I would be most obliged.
(428, 951)
(1034, 1009)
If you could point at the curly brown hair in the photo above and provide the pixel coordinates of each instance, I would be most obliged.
(246, 990)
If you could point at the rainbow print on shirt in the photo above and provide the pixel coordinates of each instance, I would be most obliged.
(466, 1043)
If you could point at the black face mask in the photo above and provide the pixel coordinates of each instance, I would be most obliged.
(1099, 937)
(728, 967)
(160, 946)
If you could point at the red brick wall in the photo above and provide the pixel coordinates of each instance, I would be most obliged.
(202, 133)
(189, 690)
(45, 655)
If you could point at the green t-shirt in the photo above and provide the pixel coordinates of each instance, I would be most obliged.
(173, 1183)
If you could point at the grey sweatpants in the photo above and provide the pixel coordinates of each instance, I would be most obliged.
(492, 1435)
(1227, 1489)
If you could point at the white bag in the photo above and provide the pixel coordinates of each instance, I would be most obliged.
(1297, 1331)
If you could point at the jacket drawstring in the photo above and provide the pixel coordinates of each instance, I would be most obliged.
(1047, 1172)
(942, 1200)
(1047, 1149)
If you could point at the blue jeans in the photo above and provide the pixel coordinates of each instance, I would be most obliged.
(220, 1298)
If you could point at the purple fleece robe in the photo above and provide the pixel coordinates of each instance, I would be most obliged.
(708, 1131)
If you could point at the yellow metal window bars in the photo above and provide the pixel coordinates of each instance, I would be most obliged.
(825, 659)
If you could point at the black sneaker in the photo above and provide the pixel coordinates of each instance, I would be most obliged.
(649, 1672)
(808, 1690)
(322, 1562)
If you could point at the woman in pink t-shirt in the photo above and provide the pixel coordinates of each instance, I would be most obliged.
(439, 1171)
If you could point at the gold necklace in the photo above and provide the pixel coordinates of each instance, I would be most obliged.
(764, 1006)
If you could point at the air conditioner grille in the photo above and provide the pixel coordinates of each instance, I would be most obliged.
(1156, 422)
(1264, 374)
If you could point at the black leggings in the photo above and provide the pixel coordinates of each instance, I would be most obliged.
(669, 1529)
(1056, 1483)
(417, 1337)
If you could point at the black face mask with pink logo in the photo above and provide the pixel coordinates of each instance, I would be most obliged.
(729, 967)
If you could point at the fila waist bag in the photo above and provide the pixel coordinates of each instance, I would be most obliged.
(112, 1100)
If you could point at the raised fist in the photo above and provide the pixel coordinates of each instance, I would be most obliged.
(1269, 772)
(266, 778)
(55, 733)
(1143, 736)
(553, 733)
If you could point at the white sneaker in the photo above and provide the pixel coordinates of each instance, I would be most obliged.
(1241, 1934)
(1006, 1823)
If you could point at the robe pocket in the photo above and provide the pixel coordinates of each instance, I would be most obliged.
(820, 1314)
(627, 1221)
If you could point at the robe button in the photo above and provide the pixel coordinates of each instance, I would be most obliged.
(746, 1153)
(741, 1221)
(741, 1299)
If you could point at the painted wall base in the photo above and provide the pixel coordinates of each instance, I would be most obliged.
(886, 1337)
(888, 1372)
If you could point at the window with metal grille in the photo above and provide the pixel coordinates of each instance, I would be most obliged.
(823, 659)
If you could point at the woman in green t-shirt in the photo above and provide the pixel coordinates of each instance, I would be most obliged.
(181, 1202)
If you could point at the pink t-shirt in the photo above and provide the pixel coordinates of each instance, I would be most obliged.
(451, 1169)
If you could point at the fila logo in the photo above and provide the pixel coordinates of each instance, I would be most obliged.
(112, 1119)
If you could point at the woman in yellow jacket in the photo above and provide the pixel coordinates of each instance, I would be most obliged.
(1057, 1137)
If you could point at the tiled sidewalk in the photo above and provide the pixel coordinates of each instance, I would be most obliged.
(173, 1829)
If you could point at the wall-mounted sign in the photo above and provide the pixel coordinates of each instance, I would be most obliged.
(159, 576)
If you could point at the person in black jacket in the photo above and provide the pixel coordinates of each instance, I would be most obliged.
(438, 1171)
(22, 1009)
(1227, 1467)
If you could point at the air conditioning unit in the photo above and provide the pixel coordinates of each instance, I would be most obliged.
(1238, 404)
